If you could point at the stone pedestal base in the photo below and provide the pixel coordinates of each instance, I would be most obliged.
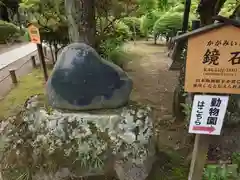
(77, 144)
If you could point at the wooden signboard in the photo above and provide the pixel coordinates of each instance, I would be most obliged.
(34, 34)
(213, 61)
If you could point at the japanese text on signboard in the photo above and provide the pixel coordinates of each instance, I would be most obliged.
(208, 114)
(213, 62)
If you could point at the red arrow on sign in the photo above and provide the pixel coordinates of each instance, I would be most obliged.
(204, 128)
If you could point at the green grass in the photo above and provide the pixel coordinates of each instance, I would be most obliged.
(28, 85)
(169, 166)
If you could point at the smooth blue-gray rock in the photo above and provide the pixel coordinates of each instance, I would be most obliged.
(82, 80)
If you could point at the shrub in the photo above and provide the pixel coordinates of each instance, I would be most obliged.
(114, 52)
(145, 25)
(111, 44)
(8, 31)
(134, 25)
(228, 8)
(121, 31)
(114, 38)
(148, 21)
(168, 23)
(118, 57)
(178, 8)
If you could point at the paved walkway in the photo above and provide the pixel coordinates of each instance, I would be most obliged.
(11, 56)
(17, 58)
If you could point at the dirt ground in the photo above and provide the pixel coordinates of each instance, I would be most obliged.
(154, 85)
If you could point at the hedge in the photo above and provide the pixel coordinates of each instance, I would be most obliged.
(8, 31)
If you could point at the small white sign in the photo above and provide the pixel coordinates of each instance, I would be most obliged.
(208, 114)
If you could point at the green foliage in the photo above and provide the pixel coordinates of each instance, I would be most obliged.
(109, 45)
(118, 56)
(236, 159)
(118, 29)
(178, 8)
(223, 172)
(171, 167)
(171, 21)
(49, 15)
(187, 109)
(147, 5)
(168, 23)
(153, 8)
(228, 8)
(134, 25)
(148, 21)
(115, 38)
(220, 172)
(122, 31)
(194, 7)
(8, 31)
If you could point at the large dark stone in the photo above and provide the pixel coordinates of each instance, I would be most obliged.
(82, 80)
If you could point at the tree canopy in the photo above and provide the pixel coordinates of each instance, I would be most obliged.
(142, 17)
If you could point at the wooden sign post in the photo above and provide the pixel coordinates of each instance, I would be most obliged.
(212, 66)
(35, 38)
(34, 34)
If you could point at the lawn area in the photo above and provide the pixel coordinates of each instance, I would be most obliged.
(29, 85)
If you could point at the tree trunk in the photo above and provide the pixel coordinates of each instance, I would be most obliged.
(19, 19)
(71, 13)
(155, 38)
(135, 34)
(88, 22)
(207, 9)
(4, 13)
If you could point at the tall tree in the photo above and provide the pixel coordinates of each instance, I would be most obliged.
(3, 12)
(81, 20)
(88, 22)
(207, 9)
(72, 7)
(7, 6)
